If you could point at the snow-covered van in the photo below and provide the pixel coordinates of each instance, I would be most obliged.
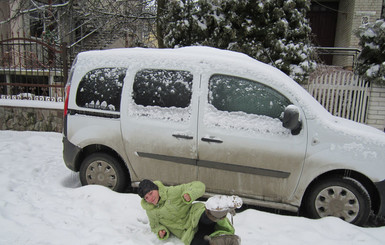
(240, 126)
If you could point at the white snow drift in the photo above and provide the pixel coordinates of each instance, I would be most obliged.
(42, 202)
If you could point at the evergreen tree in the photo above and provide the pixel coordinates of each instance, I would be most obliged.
(274, 32)
(371, 61)
(181, 29)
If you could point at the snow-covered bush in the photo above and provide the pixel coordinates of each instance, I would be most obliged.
(371, 61)
(274, 32)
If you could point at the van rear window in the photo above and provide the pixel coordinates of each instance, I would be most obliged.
(101, 89)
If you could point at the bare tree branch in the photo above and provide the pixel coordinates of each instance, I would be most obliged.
(75, 22)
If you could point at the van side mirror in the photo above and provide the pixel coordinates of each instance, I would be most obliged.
(291, 119)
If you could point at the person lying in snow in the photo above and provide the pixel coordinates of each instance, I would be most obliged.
(171, 210)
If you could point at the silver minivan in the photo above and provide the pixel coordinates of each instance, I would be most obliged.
(240, 126)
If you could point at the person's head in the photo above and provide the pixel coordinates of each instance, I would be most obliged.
(149, 191)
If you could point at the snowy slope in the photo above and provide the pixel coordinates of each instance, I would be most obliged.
(42, 202)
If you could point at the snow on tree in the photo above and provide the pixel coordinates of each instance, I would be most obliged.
(274, 32)
(371, 61)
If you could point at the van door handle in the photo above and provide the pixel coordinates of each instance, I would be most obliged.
(213, 140)
(182, 136)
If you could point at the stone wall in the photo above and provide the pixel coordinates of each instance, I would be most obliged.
(31, 119)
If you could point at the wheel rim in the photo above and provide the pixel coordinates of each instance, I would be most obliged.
(339, 202)
(101, 173)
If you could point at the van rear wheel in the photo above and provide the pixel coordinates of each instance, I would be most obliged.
(341, 197)
(103, 169)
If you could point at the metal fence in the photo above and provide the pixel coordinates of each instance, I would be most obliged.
(31, 68)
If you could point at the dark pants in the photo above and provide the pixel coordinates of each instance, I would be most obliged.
(205, 227)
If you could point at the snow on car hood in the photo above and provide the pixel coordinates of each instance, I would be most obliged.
(360, 131)
(354, 138)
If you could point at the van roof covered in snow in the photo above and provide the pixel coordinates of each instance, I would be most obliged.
(199, 59)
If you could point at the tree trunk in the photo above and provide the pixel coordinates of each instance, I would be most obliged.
(159, 27)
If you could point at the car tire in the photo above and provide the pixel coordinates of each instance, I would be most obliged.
(103, 169)
(341, 197)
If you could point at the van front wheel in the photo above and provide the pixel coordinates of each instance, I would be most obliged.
(342, 197)
(103, 169)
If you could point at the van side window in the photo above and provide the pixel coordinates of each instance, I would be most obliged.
(101, 89)
(228, 93)
(163, 88)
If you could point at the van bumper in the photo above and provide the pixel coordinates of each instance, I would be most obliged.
(381, 190)
(70, 153)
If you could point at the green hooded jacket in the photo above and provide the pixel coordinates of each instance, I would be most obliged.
(174, 215)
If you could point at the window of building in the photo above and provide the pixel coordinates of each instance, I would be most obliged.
(36, 24)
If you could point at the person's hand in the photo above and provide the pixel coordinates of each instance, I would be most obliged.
(187, 197)
(162, 233)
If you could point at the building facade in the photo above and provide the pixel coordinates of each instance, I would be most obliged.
(334, 23)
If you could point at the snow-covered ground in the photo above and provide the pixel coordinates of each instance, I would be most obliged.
(42, 202)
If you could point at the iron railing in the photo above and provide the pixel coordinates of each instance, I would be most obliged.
(32, 68)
